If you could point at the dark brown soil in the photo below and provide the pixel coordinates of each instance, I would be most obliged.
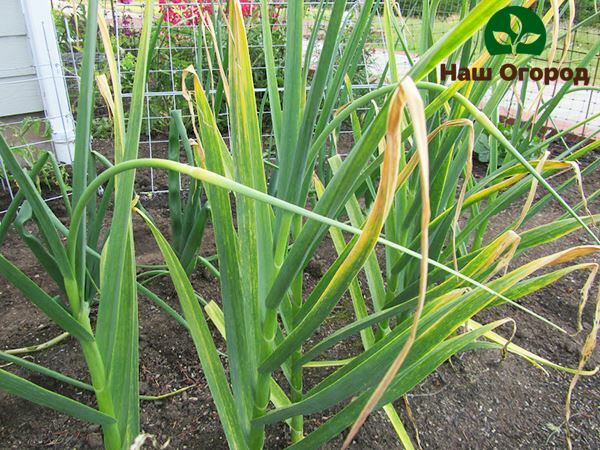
(477, 401)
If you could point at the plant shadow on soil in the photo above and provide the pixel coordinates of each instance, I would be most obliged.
(477, 400)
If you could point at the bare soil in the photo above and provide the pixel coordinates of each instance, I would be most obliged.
(478, 400)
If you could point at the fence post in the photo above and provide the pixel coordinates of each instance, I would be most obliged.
(48, 66)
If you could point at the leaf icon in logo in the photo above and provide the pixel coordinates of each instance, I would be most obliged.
(502, 37)
(529, 38)
(515, 24)
(515, 30)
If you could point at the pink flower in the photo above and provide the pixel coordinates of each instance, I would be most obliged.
(172, 16)
(246, 7)
(127, 25)
(176, 11)
(187, 12)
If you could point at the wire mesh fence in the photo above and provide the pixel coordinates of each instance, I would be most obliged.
(185, 39)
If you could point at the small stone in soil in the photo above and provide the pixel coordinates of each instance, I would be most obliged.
(94, 440)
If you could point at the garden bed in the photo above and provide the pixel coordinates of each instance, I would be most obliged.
(478, 400)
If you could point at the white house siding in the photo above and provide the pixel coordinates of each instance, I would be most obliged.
(19, 87)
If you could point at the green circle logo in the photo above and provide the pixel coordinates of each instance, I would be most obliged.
(515, 30)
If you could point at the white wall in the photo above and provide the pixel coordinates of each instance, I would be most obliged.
(31, 75)
(19, 87)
